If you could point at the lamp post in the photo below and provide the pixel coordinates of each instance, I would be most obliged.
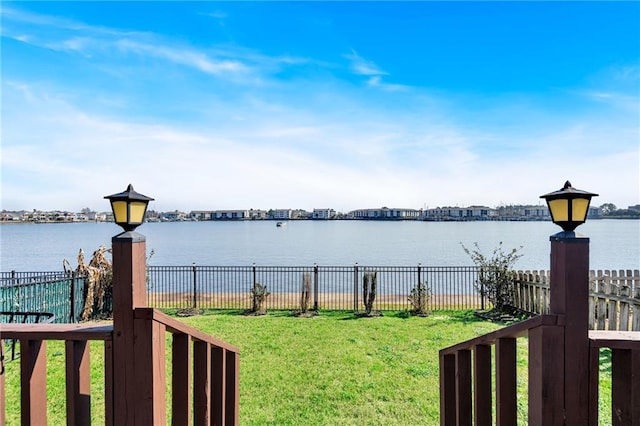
(568, 206)
(569, 295)
(129, 208)
(129, 293)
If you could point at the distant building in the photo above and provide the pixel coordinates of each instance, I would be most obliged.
(386, 213)
(300, 214)
(460, 213)
(523, 212)
(323, 214)
(10, 217)
(173, 216)
(257, 214)
(281, 214)
(231, 215)
(201, 214)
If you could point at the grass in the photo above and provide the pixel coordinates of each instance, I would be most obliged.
(330, 369)
(338, 369)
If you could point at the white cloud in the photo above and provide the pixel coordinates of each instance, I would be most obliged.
(361, 66)
(296, 143)
(293, 161)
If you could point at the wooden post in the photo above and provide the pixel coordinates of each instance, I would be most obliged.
(78, 382)
(570, 298)
(546, 375)
(464, 412)
(506, 382)
(181, 379)
(150, 370)
(482, 392)
(129, 292)
(625, 389)
(448, 390)
(33, 379)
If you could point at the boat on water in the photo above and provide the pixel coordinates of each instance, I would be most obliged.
(281, 224)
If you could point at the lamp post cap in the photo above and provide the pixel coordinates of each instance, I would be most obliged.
(129, 194)
(566, 190)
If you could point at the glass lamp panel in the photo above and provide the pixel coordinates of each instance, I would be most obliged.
(119, 211)
(580, 206)
(559, 210)
(136, 210)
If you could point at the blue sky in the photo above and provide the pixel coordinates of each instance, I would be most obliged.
(218, 105)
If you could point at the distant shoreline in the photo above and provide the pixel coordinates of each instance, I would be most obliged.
(519, 219)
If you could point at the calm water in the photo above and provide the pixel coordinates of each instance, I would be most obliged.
(615, 244)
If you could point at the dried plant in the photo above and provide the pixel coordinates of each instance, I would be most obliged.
(305, 298)
(419, 298)
(99, 276)
(369, 290)
(306, 290)
(259, 296)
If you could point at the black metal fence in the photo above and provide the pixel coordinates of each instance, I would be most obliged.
(229, 287)
(333, 287)
(59, 293)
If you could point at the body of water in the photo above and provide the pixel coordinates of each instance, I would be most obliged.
(615, 244)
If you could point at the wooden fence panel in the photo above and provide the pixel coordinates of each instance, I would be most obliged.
(611, 292)
(592, 301)
(636, 309)
(614, 297)
(625, 311)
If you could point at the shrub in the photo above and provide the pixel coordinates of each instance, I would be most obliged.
(419, 298)
(495, 274)
(259, 296)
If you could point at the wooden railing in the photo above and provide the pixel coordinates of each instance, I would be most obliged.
(466, 395)
(466, 383)
(563, 359)
(33, 369)
(204, 372)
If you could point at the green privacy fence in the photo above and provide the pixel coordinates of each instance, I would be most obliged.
(58, 293)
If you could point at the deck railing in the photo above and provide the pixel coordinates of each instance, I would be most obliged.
(563, 359)
(466, 395)
(466, 382)
(204, 372)
(33, 369)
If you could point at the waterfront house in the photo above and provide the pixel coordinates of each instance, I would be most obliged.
(386, 213)
(230, 214)
(281, 214)
(460, 213)
(201, 214)
(323, 214)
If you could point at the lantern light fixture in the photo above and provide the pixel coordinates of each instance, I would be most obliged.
(129, 208)
(568, 206)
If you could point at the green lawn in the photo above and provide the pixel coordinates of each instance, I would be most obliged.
(333, 369)
(336, 369)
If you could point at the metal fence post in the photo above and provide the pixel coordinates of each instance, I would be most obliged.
(355, 287)
(315, 287)
(255, 280)
(72, 298)
(481, 294)
(195, 286)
